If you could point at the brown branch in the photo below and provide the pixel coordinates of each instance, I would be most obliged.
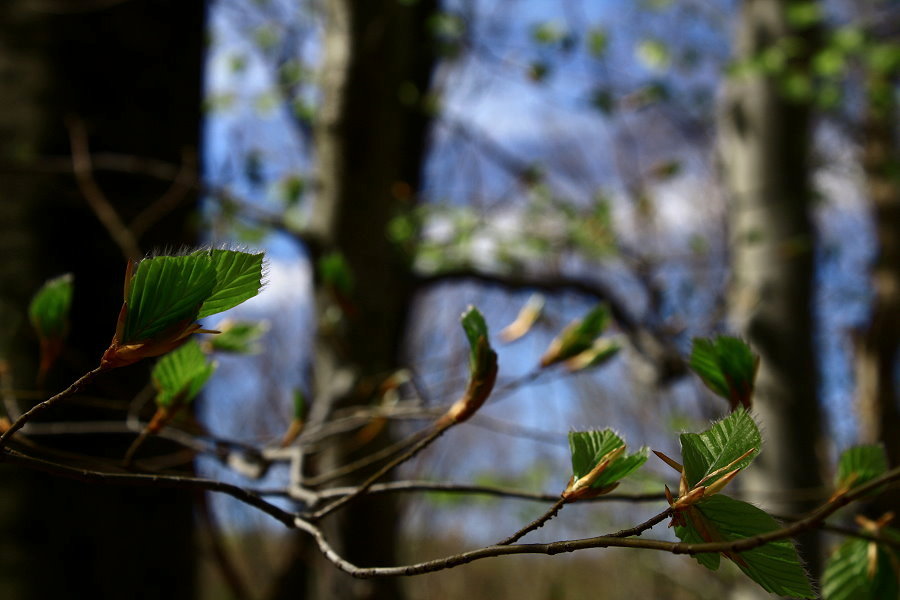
(620, 539)
(536, 524)
(149, 480)
(42, 406)
(96, 199)
(436, 432)
(650, 342)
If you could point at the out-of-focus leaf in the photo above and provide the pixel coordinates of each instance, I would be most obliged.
(181, 374)
(727, 366)
(525, 320)
(859, 465)
(577, 337)
(240, 337)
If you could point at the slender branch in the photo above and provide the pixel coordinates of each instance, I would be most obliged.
(42, 406)
(96, 199)
(620, 539)
(423, 443)
(652, 343)
(536, 524)
(464, 488)
(363, 462)
(148, 480)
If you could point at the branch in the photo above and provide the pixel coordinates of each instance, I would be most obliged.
(42, 406)
(145, 480)
(536, 524)
(620, 539)
(420, 445)
(96, 199)
(650, 342)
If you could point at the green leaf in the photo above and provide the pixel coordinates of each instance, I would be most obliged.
(164, 291)
(299, 404)
(847, 573)
(335, 272)
(690, 535)
(774, 566)
(474, 325)
(578, 336)
(720, 445)
(179, 375)
(238, 278)
(240, 337)
(654, 54)
(727, 366)
(598, 42)
(600, 352)
(859, 465)
(49, 309)
(589, 447)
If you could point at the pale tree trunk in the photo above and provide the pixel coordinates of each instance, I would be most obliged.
(370, 142)
(878, 344)
(131, 73)
(877, 347)
(765, 145)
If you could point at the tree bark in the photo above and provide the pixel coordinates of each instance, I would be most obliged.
(132, 74)
(877, 346)
(765, 145)
(370, 145)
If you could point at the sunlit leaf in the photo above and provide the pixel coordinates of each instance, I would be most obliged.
(166, 290)
(859, 465)
(862, 570)
(238, 278)
(720, 446)
(240, 337)
(775, 566)
(588, 448)
(577, 337)
(180, 375)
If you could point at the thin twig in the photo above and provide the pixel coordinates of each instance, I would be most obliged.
(42, 406)
(620, 539)
(536, 524)
(423, 443)
(148, 480)
(96, 199)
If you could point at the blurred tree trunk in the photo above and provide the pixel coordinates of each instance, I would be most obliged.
(765, 147)
(132, 74)
(370, 146)
(877, 346)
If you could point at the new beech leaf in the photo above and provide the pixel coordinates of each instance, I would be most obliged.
(49, 309)
(589, 447)
(862, 570)
(239, 337)
(775, 566)
(164, 291)
(719, 446)
(577, 337)
(860, 464)
(179, 375)
(238, 278)
(727, 366)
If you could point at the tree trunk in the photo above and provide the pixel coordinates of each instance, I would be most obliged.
(131, 73)
(878, 344)
(877, 347)
(765, 141)
(370, 146)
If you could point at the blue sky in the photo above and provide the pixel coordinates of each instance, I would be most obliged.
(553, 123)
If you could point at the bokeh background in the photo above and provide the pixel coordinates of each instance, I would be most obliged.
(701, 167)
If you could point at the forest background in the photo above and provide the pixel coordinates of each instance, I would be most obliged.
(401, 160)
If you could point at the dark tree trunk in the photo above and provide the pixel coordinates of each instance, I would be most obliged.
(370, 144)
(765, 146)
(130, 73)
